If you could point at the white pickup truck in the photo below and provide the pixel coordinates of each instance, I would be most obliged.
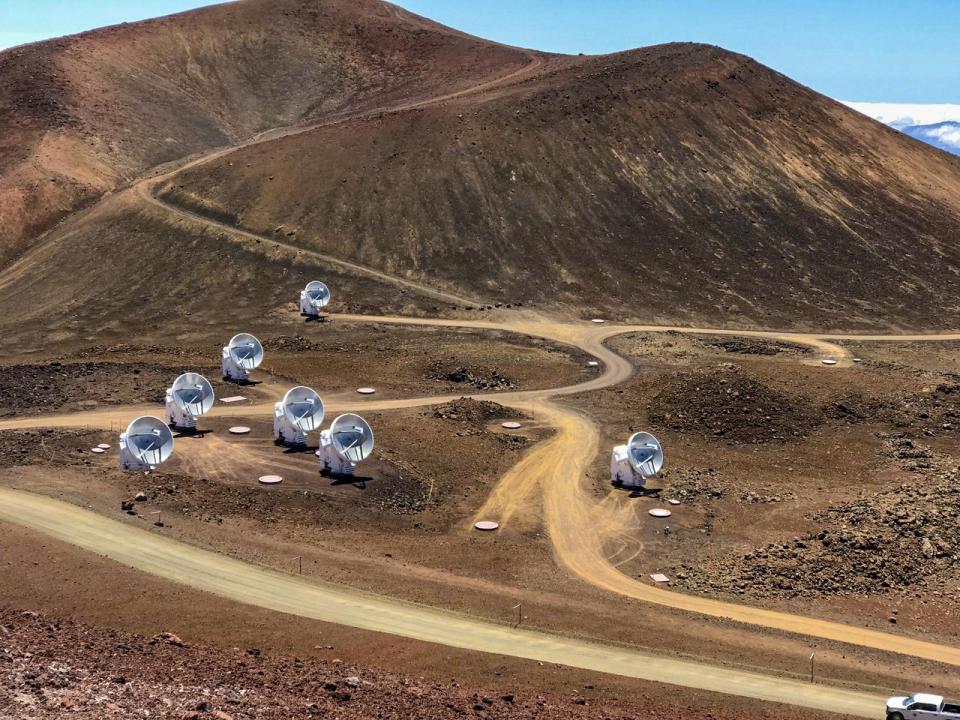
(922, 707)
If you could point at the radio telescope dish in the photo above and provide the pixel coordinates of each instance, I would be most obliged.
(633, 463)
(190, 396)
(348, 441)
(646, 455)
(240, 356)
(300, 412)
(314, 297)
(146, 443)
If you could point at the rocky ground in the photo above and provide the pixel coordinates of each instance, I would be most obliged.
(727, 404)
(81, 385)
(49, 446)
(57, 669)
(330, 356)
(903, 541)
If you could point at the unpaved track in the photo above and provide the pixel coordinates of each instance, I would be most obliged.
(145, 187)
(254, 585)
(140, 189)
(579, 527)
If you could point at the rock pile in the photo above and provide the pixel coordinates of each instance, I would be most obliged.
(473, 412)
(482, 378)
(726, 405)
(905, 540)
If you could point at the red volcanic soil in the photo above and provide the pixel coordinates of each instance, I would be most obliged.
(675, 183)
(80, 114)
(52, 668)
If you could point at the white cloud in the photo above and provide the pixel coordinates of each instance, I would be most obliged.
(900, 115)
(945, 134)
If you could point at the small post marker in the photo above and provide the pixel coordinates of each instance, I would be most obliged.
(519, 608)
(299, 560)
(158, 523)
(811, 666)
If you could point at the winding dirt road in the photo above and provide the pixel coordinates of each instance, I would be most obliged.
(580, 528)
(247, 583)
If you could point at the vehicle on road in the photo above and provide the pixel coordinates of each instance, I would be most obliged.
(922, 706)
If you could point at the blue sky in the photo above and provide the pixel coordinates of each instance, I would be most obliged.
(879, 50)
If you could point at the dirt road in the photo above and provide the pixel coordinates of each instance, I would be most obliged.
(579, 527)
(247, 583)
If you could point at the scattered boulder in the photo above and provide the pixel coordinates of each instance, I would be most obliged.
(167, 638)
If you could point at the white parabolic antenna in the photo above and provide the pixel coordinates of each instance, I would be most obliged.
(348, 441)
(352, 437)
(146, 443)
(303, 408)
(633, 463)
(300, 412)
(243, 354)
(646, 454)
(190, 396)
(314, 297)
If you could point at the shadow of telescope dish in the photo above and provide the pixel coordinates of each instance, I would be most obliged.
(645, 453)
(318, 294)
(352, 437)
(193, 394)
(149, 440)
(246, 351)
(303, 408)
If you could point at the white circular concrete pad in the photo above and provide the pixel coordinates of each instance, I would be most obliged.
(239, 430)
(598, 320)
(511, 425)
(486, 525)
(858, 359)
(592, 363)
(97, 450)
(661, 512)
(103, 446)
(270, 479)
(673, 501)
(366, 391)
(829, 362)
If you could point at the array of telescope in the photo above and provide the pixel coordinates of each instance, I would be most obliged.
(148, 441)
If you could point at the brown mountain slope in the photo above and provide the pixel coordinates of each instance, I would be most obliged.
(82, 114)
(679, 182)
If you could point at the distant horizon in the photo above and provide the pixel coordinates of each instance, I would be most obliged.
(880, 52)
